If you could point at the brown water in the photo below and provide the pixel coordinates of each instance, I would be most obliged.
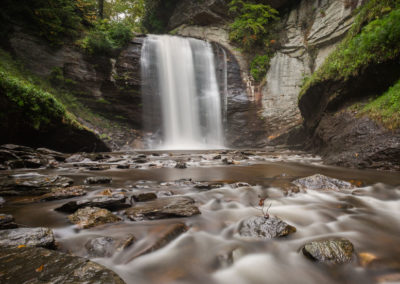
(369, 217)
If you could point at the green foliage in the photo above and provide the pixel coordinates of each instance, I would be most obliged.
(105, 37)
(157, 14)
(259, 67)
(130, 12)
(250, 27)
(378, 41)
(386, 108)
(57, 21)
(39, 106)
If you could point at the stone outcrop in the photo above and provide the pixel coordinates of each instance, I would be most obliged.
(311, 31)
(50, 267)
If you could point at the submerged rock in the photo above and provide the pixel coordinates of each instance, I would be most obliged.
(142, 197)
(7, 222)
(98, 180)
(89, 217)
(207, 185)
(32, 184)
(30, 237)
(163, 208)
(264, 228)
(180, 165)
(39, 265)
(106, 246)
(321, 182)
(337, 251)
(99, 167)
(113, 202)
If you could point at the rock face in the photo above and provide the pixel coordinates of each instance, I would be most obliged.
(311, 32)
(30, 237)
(322, 183)
(264, 228)
(50, 267)
(163, 208)
(329, 251)
(32, 184)
(107, 86)
(347, 140)
(89, 217)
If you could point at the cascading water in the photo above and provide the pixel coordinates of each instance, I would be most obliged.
(182, 105)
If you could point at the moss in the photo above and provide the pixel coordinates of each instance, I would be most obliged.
(376, 42)
(385, 108)
(40, 107)
(259, 67)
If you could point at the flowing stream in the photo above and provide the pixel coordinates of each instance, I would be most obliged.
(211, 251)
(181, 97)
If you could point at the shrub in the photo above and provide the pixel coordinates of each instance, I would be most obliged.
(250, 27)
(259, 67)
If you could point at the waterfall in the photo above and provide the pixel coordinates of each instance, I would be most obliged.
(181, 100)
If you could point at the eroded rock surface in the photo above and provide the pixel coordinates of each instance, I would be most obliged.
(168, 207)
(322, 183)
(30, 237)
(7, 222)
(112, 202)
(329, 251)
(47, 266)
(32, 184)
(89, 217)
(98, 180)
(264, 228)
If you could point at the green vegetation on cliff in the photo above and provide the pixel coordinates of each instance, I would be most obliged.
(385, 108)
(376, 42)
(38, 106)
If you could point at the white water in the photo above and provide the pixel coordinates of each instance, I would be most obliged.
(179, 76)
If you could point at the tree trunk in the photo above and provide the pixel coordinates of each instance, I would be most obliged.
(101, 8)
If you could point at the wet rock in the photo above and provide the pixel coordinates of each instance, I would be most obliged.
(58, 156)
(99, 167)
(75, 158)
(64, 193)
(113, 202)
(2, 201)
(180, 165)
(240, 184)
(7, 222)
(264, 228)
(321, 182)
(106, 246)
(207, 185)
(163, 208)
(32, 184)
(142, 197)
(48, 266)
(337, 251)
(100, 247)
(123, 166)
(98, 180)
(163, 236)
(227, 161)
(217, 157)
(30, 237)
(3, 168)
(141, 161)
(89, 217)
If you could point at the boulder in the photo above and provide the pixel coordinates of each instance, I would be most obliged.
(142, 197)
(113, 202)
(180, 165)
(264, 228)
(89, 217)
(336, 251)
(169, 207)
(64, 193)
(323, 183)
(32, 184)
(98, 180)
(30, 237)
(7, 222)
(106, 246)
(48, 266)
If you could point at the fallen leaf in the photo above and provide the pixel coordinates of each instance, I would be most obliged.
(40, 268)
(22, 246)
